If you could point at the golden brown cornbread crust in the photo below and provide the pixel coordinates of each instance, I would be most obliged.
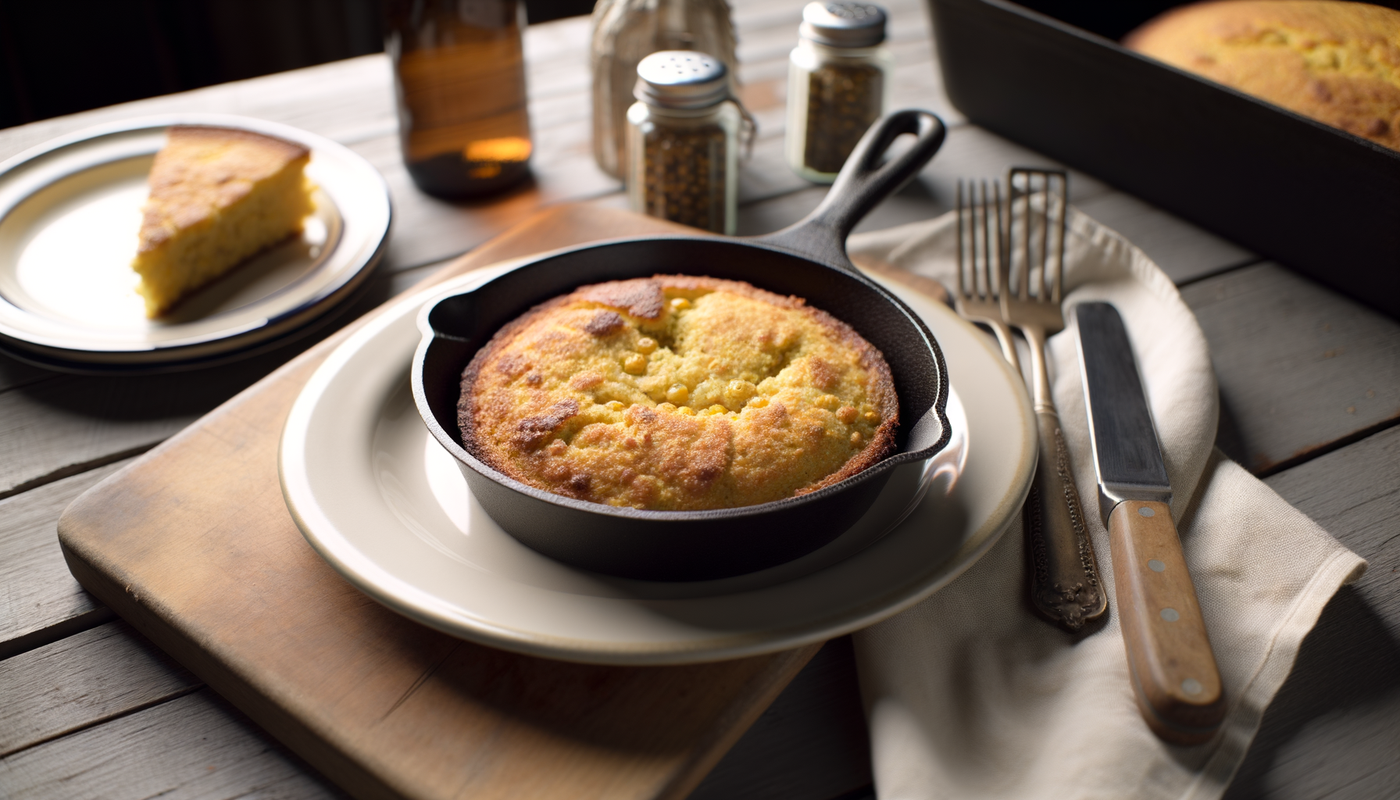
(678, 393)
(217, 196)
(1338, 63)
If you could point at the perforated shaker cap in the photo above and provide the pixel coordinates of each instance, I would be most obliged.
(843, 24)
(681, 79)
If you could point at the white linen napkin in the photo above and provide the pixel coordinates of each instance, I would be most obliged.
(970, 695)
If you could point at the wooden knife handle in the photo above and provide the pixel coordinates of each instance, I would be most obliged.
(1065, 584)
(1174, 673)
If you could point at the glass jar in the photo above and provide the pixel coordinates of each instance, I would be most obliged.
(682, 141)
(838, 85)
(459, 79)
(625, 32)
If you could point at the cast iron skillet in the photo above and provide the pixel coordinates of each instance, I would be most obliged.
(808, 260)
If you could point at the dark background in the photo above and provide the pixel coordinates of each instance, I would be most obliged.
(63, 57)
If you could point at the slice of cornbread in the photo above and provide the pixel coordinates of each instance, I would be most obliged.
(218, 195)
(678, 393)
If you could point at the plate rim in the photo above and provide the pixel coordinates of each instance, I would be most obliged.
(216, 346)
(424, 607)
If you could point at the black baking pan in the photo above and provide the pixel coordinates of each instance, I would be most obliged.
(808, 260)
(1051, 75)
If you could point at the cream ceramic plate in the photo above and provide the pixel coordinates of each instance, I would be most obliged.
(387, 507)
(69, 215)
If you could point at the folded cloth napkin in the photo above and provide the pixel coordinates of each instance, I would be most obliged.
(970, 695)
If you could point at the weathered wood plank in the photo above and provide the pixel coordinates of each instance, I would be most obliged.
(70, 424)
(969, 152)
(67, 424)
(82, 681)
(1331, 732)
(39, 600)
(317, 99)
(1354, 493)
(811, 744)
(1301, 368)
(203, 750)
(1184, 251)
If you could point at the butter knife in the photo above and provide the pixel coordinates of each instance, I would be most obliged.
(1174, 673)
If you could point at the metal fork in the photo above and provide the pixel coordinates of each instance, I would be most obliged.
(979, 253)
(1065, 583)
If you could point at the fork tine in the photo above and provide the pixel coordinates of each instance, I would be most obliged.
(1025, 238)
(1064, 223)
(1003, 258)
(972, 228)
(984, 268)
(1045, 238)
(962, 284)
(1000, 234)
(987, 230)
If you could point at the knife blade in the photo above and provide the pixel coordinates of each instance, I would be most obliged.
(1175, 677)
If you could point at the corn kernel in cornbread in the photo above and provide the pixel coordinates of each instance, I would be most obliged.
(218, 196)
(678, 393)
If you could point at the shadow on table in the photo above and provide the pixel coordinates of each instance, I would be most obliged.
(1336, 709)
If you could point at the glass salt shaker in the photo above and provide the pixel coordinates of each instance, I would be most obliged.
(682, 141)
(625, 32)
(838, 85)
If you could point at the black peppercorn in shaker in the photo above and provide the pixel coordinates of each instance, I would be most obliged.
(682, 136)
(838, 78)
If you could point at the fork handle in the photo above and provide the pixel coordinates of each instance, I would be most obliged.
(1065, 585)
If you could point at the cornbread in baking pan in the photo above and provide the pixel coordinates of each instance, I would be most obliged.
(1338, 63)
(678, 393)
(218, 196)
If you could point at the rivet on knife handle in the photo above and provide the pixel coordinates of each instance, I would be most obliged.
(1174, 673)
(1065, 584)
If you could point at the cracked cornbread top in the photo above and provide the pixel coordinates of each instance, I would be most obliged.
(678, 393)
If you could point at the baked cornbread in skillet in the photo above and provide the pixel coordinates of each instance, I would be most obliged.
(678, 393)
(1336, 62)
(218, 196)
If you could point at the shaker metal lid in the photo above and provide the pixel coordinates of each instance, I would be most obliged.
(681, 79)
(843, 24)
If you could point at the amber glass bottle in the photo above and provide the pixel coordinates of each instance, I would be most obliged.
(459, 78)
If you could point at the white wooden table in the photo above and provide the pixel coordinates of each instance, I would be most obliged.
(1310, 384)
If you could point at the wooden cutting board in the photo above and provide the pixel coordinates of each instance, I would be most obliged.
(193, 545)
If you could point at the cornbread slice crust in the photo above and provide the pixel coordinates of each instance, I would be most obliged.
(678, 393)
(218, 196)
(1338, 63)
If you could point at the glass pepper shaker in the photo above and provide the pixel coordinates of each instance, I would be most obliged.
(682, 141)
(625, 32)
(459, 82)
(838, 82)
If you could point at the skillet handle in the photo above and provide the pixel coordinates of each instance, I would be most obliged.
(862, 184)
